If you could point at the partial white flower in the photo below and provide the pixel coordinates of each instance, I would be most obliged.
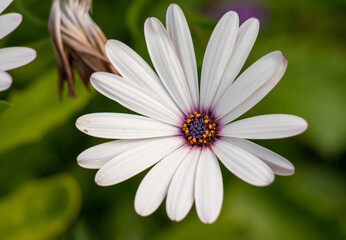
(184, 131)
(11, 57)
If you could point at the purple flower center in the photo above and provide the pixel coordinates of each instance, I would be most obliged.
(199, 130)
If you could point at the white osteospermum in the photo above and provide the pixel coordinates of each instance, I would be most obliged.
(11, 57)
(184, 130)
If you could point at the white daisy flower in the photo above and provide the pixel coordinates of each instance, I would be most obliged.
(11, 57)
(185, 130)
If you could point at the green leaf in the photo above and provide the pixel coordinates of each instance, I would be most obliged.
(4, 106)
(37, 110)
(40, 209)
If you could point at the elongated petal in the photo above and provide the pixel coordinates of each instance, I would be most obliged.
(9, 22)
(179, 32)
(217, 55)
(265, 127)
(247, 35)
(4, 4)
(208, 187)
(123, 91)
(257, 96)
(97, 156)
(243, 164)
(180, 194)
(154, 186)
(131, 66)
(123, 126)
(14, 57)
(136, 160)
(248, 82)
(5, 81)
(167, 64)
(279, 165)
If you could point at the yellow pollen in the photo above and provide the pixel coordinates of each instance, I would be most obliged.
(199, 130)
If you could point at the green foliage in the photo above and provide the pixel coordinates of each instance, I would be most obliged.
(4, 106)
(40, 209)
(41, 112)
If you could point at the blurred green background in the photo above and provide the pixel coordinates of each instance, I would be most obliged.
(44, 194)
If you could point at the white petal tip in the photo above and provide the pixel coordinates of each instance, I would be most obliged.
(81, 124)
(100, 179)
(304, 125)
(207, 221)
(5, 81)
(262, 183)
(142, 212)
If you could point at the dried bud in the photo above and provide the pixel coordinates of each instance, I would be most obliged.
(77, 41)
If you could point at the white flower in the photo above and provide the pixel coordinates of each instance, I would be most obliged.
(11, 57)
(184, 131)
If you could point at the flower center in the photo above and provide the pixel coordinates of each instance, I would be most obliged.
(199, 130)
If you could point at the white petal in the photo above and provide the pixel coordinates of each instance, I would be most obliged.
(180, 194)
(208, 187)
(265, 127)
(131, 66)
(248, 82)
(257, 96)
(279, 165)
(154, 186)
(4, 4)
(136, 160)
(5, 81)
(97, 156)
(9, 22)
(217, 55)
(247, 35)
(244, 165)
(124, 126)
(123, 91)
(167, 64)
(179, 32)
(14, 57)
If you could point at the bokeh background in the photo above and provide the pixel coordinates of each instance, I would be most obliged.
(44, 194)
